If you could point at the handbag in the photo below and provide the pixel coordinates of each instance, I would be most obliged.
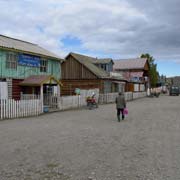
(125, 111)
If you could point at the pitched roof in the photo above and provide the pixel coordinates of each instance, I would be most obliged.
(38, 80)
(137, 63)
(24, 46)
(103, 61)
(136, 74)
(89, 62)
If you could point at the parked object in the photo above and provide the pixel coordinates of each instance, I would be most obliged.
(155, 92)
(91, 102)
(164, 89)
(174, 90)
(46, 109)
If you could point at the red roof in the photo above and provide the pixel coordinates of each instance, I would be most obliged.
(129, 75)
(38, 80)
(125, 64)
(136, 74)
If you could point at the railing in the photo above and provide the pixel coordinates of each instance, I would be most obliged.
(10, 108)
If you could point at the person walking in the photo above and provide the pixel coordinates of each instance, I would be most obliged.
(120, 105)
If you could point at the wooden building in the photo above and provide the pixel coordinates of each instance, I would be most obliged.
(20, 60)
(84, 72)
(135, 71)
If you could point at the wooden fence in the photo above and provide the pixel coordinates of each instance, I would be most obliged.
(138, 95)
(31, 105)
(107, 98)
(10, 108)
(68, 102)
(111, 97)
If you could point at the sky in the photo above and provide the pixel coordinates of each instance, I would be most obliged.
(115, 29)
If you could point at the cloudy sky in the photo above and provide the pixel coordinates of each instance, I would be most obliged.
(107, 28)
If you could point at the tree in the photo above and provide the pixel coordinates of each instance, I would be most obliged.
(154, 74)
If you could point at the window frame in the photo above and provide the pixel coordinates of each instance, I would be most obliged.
(11, 60)
(43, 65)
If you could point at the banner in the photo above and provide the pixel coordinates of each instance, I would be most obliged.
(29, 60)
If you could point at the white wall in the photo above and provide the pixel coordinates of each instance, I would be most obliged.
(3, 90)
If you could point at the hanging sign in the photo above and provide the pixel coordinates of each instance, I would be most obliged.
(29, 60)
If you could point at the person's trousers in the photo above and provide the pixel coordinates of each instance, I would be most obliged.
(120, 111)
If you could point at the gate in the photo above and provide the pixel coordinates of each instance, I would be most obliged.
(51, 101)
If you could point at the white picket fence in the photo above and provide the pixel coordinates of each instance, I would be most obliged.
(107, 98)
(10, 108)
(137, 95)
(111, 97)
(32, 106)
(128, 96)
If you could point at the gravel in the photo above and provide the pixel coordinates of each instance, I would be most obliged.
(91, 145)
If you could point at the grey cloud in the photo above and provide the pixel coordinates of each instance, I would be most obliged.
(116, 27)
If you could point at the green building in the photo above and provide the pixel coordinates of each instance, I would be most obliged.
(26, 68)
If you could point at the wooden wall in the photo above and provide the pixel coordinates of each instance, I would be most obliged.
(54, 68)
(72, 69)
(129, 87)
(16, 89)
(69, 86)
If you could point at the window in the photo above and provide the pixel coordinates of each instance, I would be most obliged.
(104, 67)
(11, 60)
(43, 65)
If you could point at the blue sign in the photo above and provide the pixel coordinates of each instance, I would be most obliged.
(29, 60)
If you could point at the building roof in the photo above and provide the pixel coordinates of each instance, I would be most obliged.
(103, 61)
(136, 74)
(89, 63)
(125, 64)
(24, 46)
(38, 80)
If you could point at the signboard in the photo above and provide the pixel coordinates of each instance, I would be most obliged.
(77, 91)
(29, 60)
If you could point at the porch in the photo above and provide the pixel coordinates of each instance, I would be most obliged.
(47, 87)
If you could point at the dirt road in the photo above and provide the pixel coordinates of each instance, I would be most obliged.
(91, 144)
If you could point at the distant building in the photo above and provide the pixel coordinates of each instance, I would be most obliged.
(85, 72)
(176, 81)
(135, 71)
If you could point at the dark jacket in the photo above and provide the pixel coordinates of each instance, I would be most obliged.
(120, 102)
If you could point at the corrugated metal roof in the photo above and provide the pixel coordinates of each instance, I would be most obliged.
(124, 64)
(89, 62)
(16, 44)
(35, 80)
(38, 80)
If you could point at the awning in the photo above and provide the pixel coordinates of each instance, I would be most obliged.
(39, 80)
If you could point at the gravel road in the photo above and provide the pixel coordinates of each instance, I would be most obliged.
(92, 145)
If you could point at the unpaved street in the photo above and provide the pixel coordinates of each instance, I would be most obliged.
(91, 144)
